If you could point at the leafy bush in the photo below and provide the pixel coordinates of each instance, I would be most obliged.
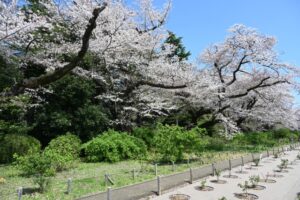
(172, 142)
(216, 143)
(282, 133)
(35, 163)
(114, 146)
(260, 140)
(11, 144)
(38, 165)
(63, 151)
(66, 145)
(144, 133)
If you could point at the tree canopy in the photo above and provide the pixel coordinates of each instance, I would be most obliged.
(121, 67)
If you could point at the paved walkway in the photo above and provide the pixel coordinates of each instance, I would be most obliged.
(285, 188)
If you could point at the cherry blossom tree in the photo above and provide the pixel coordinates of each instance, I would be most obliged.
(245, 78)
(128, 44)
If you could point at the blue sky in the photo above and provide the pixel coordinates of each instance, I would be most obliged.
(203, 22)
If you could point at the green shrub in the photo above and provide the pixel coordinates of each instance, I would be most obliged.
(63, 151)
(144, 133)
(172, 142)
(11, 144)
(113, 146)
(35, 163)
(282, 133)
(216, 143)
(66, 145)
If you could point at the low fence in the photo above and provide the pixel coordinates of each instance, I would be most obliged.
(164, 183)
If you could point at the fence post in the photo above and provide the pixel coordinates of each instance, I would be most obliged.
(109, 193)
(156, 169)
(158, 186)
(69, 185)
(133, 174)
(252, 157)
(273, 151)
(191, 176)
(20, 192)
(213, 169)
(173, 166)
(105, 179)
(230, 166)
(268, 154)
(242, 161)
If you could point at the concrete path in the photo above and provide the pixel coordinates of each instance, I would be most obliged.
(285, 188)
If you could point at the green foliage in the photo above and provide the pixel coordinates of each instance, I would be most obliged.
(144, 133)
(172, 142)
(254, 180)
(203, 184)
(71, 107)
(89, 120)
(59, 161)
(179, 50)
(11, 144)
(244, 186)
(260, 140)
(113, 146)
(33, 164)
(217, 143)
(281, 133)
(43, 182)
(9, 73)
(12, 115)
(63, 151)
(256, 161)
(66, 145)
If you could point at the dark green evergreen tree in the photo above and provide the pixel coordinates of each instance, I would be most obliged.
(180, 50)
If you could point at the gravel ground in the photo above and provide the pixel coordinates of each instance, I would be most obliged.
(286, 187)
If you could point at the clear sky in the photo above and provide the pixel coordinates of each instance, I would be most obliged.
(203, 22)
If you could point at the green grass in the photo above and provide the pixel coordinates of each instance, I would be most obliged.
(88, 178)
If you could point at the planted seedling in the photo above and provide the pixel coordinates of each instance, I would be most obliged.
(203, 184)
(179, 197)
(254, 181)
(283, 165)
(218, 174)
(204, 187)
(244, 187)
(256, 161)
(222, 198)
(276, 155)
